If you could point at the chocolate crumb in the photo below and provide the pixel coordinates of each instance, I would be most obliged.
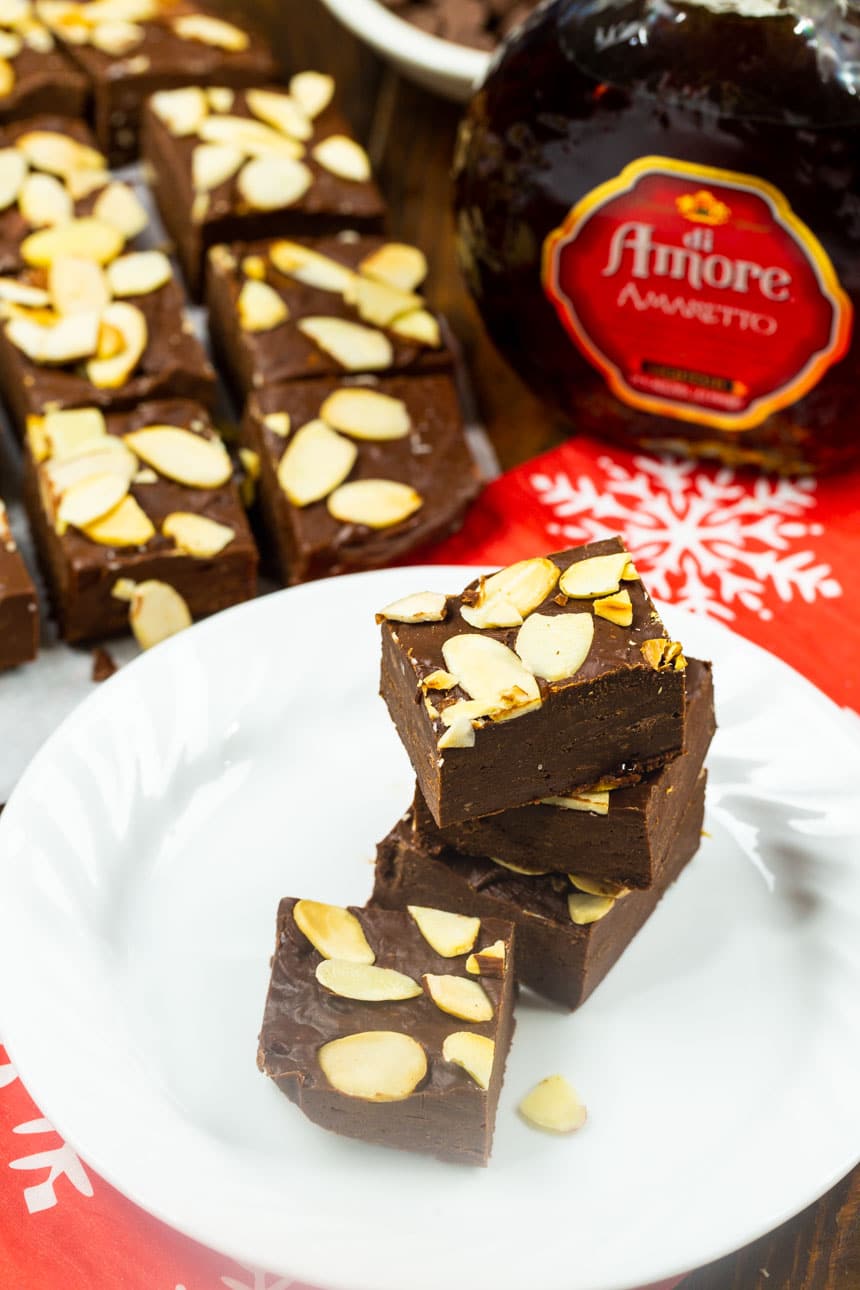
(103, 665)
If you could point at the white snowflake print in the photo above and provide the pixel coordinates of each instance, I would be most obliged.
(60, 1162)
(260, 1282)
(710, 542)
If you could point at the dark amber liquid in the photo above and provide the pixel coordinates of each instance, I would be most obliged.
(558, 116)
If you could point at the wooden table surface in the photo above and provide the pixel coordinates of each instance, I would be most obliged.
(410, 136)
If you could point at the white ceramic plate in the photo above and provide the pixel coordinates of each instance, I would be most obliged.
(141, 861)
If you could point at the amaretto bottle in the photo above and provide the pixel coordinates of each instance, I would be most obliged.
(659, 214)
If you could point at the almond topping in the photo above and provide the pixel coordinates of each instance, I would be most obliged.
(197, 535)
(21, 293)
(11, 43)
(489, 961)
(422, 607)
(88, 500)
(211, 31)
(316, 460)
(269, 183)
(617, 608)
(599, 575)
(157, 610)
(507, 596)
(309, 267)
(13, 170)
(334, 932)
(278, 423)
(554, 1106)
(593, 800)
(378, 303)
(117, 37)
(313, 91)
(112, 373)
(343, 157)
(58, 154)
(475, 1053)
(120, 206)
(81, 239)
(396, 264)
(220, 98)
(280, 111)
(375, 503)
(419, 326)
(515, 868)
(178, 454)
(374, 1065)
(491, 674)
(663, 655)
(357, 348)
(66, 341)
(182, 111)
(213, 164)
(366, 414)
(364, 982)
(259, 307)
(78, 286)
(439, 680)
(254, 266)
(555, 646)
(613, 890)
(250, 137)
(459, 997)
(139, 273)
(585, 908)
(66, 431)
(448, 934)
(127, 525)
(7, 77)
(43, 201)
(460, 734)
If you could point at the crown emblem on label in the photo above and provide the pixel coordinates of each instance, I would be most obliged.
(703, 208)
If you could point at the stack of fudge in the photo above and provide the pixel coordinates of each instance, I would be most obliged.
(558, 736)
(352, 435)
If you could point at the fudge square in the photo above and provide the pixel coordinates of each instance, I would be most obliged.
(156, 45)
(568, 936)
(89, 335)
(19, 608)
(239, 165)
(133, 497)
(326, 306)
(620, 835)
(392, 1027)
(34, 76)
(52, 173)
(356, 475)
(552, 675)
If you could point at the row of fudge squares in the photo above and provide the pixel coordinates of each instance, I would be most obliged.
(104, 58)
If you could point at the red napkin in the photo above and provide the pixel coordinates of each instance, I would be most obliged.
(769, 558)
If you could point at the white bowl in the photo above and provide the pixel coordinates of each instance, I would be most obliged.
(439, 65)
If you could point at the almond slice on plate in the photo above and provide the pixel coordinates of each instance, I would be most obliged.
(366, 414)
(13, 170)
(316, 460)
(119, 205)
(259, 307)
(181, 455)
(269, 183)
(197, 535)
(78, 286)
(355, 347)
(211, 31)
(66, 341)
(212, 164)
(139, 273)
(309, 267)
(83, 239)
(129, 322)
(43, 201)
(396, 264)
(313, 91)
(343, 157)
(375, 503)
(182, 111)
(553, 1105)
(280, 111)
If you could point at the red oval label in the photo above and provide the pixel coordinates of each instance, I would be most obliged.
(697, 292)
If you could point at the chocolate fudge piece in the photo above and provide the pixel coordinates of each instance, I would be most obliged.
(130, 341)
(402, 436)
(53, 173)
(34, 76)
(326, 306)
(620, 835)
(140, 495)
(19, 608)
(559, 958)
(228, 166)
(168, 44)
(411, 1055)
(583, 687)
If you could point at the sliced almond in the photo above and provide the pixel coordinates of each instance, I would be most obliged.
(396, 264)
(316, 460)
(80, 239)
(493, 611)
(82, 182)
(617, 608)
(58, 154)
(438, 680)
(211, 31)
(613, 890)
(515, 868)
(145, 476)
(366, 414)
(183, 456)
(334, 932)
(525, 584)
(89, 500)
(66, 431)
(553, 1105)
(313, 91)
(112, 373)
(11, 45)
(111, 341)
(120, 206)
(13, 170)
(270, 183)
(309, 267)
(597, 802)
(117, 37)
(157, 612)
(375, 503)
(459, 734)
(212, 164)
(459, 997)
(448, 934)
(279, 423)
(475, 1053)
(139, 273)
(281, 111)
(78, 286)
(491, 674)
(7, 77)
(379, 304)
(489, 961)
(374, 1065)
(250, 137)
(354, 347)
(254, 266)
(103, 455)
(585, 908)
(419, 326)
(197, 535)
(127, 525)
(259, 307)
(555, 646)
(343, 157)
(220, 98)
(422, 607)
(599, 575)
(663, 655)
(13, 12)
(66, 341)
(364, 982)
(43, 201)
(182, 111)
(21, 293)
(36, 36)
